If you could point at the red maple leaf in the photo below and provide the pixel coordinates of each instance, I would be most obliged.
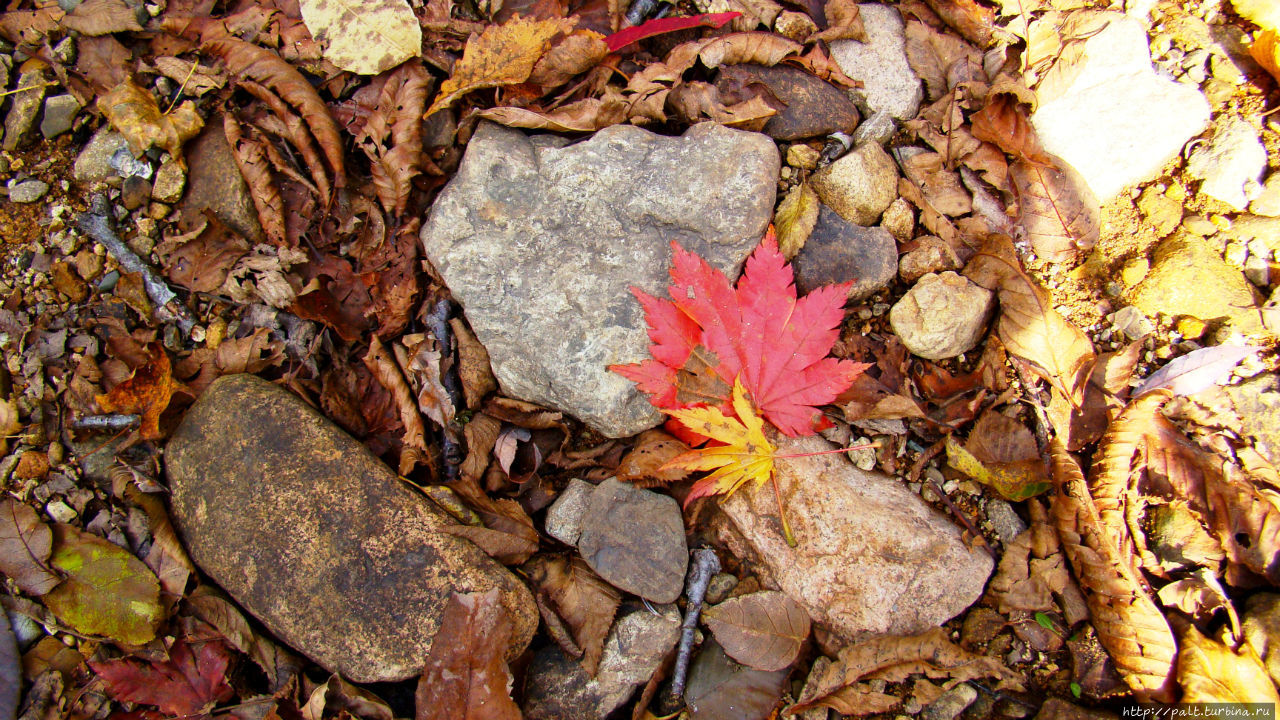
(710, 334)
(188, 683)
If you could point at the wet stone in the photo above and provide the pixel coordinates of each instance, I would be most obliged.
(634, 540)
(315, 537)
(813, 106)
(838, 251)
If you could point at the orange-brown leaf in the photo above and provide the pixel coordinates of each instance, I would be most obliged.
(133, 111)
(466, 677)
(502, 55)
(146, 392)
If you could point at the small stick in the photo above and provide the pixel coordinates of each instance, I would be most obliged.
(97, 224)
(705, 564)
(451, 450)
(111, 422)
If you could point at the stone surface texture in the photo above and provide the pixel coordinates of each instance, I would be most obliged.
(634, 540)
(1231, 163)
(319, 540)
(813, 106)
(942, 315)
(1189, 277)
(1268, 200)
(558, 688)
(1137, 120)
(27, 191)
(932, 254)
(24, 109)
(541, 240)
(216, 184)
(171, 180)
(564, 517)
(859, 186)
(871, 556)
(838, 251)
(888, 83)
(59, 115)
(93, 164)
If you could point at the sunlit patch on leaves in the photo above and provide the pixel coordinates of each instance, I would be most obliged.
(1014, 481)
(364, 37)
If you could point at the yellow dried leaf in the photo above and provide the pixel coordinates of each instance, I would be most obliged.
(1016, 481)
(1264, 13)
(133, 111)
(502, 55)
(746, 454)
(1266, 50)
(795, 219)
(1211, 672)
(365, 37)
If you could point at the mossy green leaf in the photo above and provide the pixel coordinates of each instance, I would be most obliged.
(107, 591)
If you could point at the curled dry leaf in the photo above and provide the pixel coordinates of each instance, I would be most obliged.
(844, 22)
(1129, 625)
(338, 698)
(392, 136)
(474, 370)
(1015, 481)
(976, 23)
(758, 48)
(465, 676)
(894, 658)
(133, 112)
(586, 115)
(146, 392)
(263, 66)
(107, 591)
(101, 17)
(1029, 326)
(763, 630)
(248, 147)
(1003, 121)
(1104, 397)
(25, 544)
(296, 132)
(573, 55)
(1056, 208)
(166, 556)
(580, 598)
(501, 55)
(697, 101)
(646, 464)
(384, 368)
(1197, 370)
(213, 608)
(364, 37)
(795, 219)
(1211, 672)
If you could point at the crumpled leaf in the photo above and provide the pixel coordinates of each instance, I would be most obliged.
(697, 101)
(250, 151)
(1015, 481)
(502, 55)
(146, 392)
(844, 22)
(795, 219)
(573, 55)
(338, 698)
(895, 658)
(647, 462)
(473, 365)
(190, 682)
(466, 677)
(658, 26)
(1130, 626)
(107, 590)
(586, 115)
(1056, 208)
(1029, 326)
(1004, 122)
(133, 112)
(392, 136)
(363, 37)
(763, 630)
(757, 334)
(1211, 672)
(212, 607)
(1104, 397)
(384, 368)
(745, 455)
(1197, 370)
(10, 671)
(25, 544)
(759, 48)
(101, 17)
(580, 598)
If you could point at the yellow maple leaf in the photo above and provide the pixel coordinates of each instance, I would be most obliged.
(501, 55)
(746, 454)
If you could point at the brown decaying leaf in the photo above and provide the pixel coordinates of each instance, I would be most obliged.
(1104, 397)
(101, 17)
(941, 186)
(759, 48)
(645, 464)
(166, 557)
(894, 658)
(579, 597)
(384, 368)
(251, 158)
(189, 681)
(133, 111)
(1029, 326)
(473, 365)
(30, 26)
(1058, 211)
(265, 67)
(25, 544)
(1033, 571)
(1266, 50)
(586, 115)
(466, 677)
(573, 55)
(1130, 626)
(763, 630)
(338, 698)
(697, 101)
(501, 55)
(296, 132)
(1211, 672)
(421, 364)
(392, 135)
(481, 433)
(200, 260)
(931, 55)
(795, 219)
(1003, 121)
(844, 22)
(974, 22)
(390, 272)
(146, 392)
(213, 608)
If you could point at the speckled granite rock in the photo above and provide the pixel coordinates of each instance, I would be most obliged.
(315, 537)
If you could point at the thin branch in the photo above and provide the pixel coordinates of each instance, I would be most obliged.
(705, 564)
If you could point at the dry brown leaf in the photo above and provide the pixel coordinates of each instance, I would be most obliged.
(759, 48)
(392, 137)
(894, 658)
(763, 630)
(502, 55)
(481, 433)
(466, 677)
(697, 101)
(30, 26)
(195, 79)
(296, 132)
(974, 22)
(364, 37)
(1029, 326)
(166, 556)
(200, 260)
(941, 186)
(101, 17)
(473, 365)
(844, 22)
(133, 112)
(248, 147)
(1129, 624)
(573, 55)
(1058, 211)
(646, 463)
(1104, 397)
(586, 115)
(1004, 121)
(932, 54)
(25, 545)
(1211, 672)
(795, 219)
(263, 66)
(580, 598)
(384, 368)
(146, 392)
(422, 364)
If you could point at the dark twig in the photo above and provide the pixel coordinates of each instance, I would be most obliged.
(113, 422)
(98, 224)
(452, 451)
(705, 564)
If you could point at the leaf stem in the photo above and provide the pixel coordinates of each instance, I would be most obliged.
(833, 451)
(782, 514)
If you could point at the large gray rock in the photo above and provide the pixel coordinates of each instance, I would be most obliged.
(870, 555)
(1136, 120)
(634, 540)
(540, 240)
(889, 85)
(315, 537)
